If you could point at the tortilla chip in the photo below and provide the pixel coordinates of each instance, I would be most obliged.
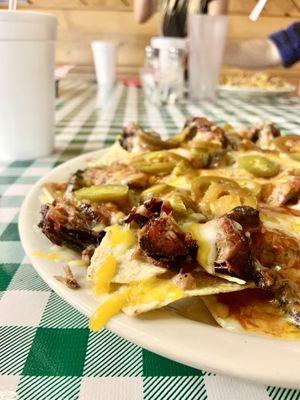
(113, 154)
(165, 291)
(250, 311)
(128, 268)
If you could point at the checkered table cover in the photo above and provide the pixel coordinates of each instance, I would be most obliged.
(46, 349)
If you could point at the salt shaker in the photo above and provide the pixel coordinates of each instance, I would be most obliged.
(176, 57)
(149, 73)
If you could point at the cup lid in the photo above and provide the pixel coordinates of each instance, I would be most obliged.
(104, 43)
(165, 42)
(27, 25)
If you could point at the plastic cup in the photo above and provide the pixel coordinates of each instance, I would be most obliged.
(27, 44)
(105, 60)
(207, 38)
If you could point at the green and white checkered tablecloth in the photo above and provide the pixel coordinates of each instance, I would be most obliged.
(46, 349)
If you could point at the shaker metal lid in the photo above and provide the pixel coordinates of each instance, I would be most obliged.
(27, 26)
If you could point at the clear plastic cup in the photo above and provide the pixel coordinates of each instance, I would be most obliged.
(27, 95)
(105, 59)
(207, 38)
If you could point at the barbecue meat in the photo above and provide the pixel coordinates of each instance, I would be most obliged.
(278, 269)
(274, 247)
(207, 130)
(149, 209)
(117, 172)
(129, 134)
(262, 134)
(233, 250)
(66, 225)
(247, 217)
(285, 193)
(163, 240)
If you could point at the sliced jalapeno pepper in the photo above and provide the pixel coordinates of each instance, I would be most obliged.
(154, 168)
(202, 183)
(259, 166)
(101, 193)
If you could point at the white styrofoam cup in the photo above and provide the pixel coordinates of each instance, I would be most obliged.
(105, 59)
(27, 44)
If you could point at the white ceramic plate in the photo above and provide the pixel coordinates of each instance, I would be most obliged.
(256, 91)
(200, 345)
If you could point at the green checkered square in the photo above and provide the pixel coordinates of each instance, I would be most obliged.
(276, 393)
(11, 233)
(155, 365)
(15, 344)
(174, 388)
(11, 252)
(110, 355)
(21, 164)
(7, 272)
(67, 317)
(26, 278)
(48, 388)
(57, 352)
(7, 180)
(3, 188)
(11, 201)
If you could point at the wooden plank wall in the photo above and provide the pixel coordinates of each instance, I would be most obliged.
(81, 21)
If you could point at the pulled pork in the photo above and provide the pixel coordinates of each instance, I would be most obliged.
(160, 237)
(68, 279)
(233, 250)
(163, 240)
(134, 139)
(247, 217)
(129, 134)
(208, 130)
(149, 209)
(274, 247)
(75, 182)
(285, 193)
(70, 226)
(262, 134)
(117, 173)
(278, 269)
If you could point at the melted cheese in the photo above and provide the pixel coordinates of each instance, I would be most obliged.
(110, 307)
(48, 256)
(103, 265)
(206, 237)
(136, 298)
(104, 275)
(120, 235)
(154, 290)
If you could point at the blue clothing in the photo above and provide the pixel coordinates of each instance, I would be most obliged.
(288, 43)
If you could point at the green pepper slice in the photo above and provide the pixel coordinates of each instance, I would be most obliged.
(154, 168)
(102, 193)
(258, 166)
(202, 183)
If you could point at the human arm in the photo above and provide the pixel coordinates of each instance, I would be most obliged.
(143, 9)
(253, 53)
(282, 47)
(217, 7)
